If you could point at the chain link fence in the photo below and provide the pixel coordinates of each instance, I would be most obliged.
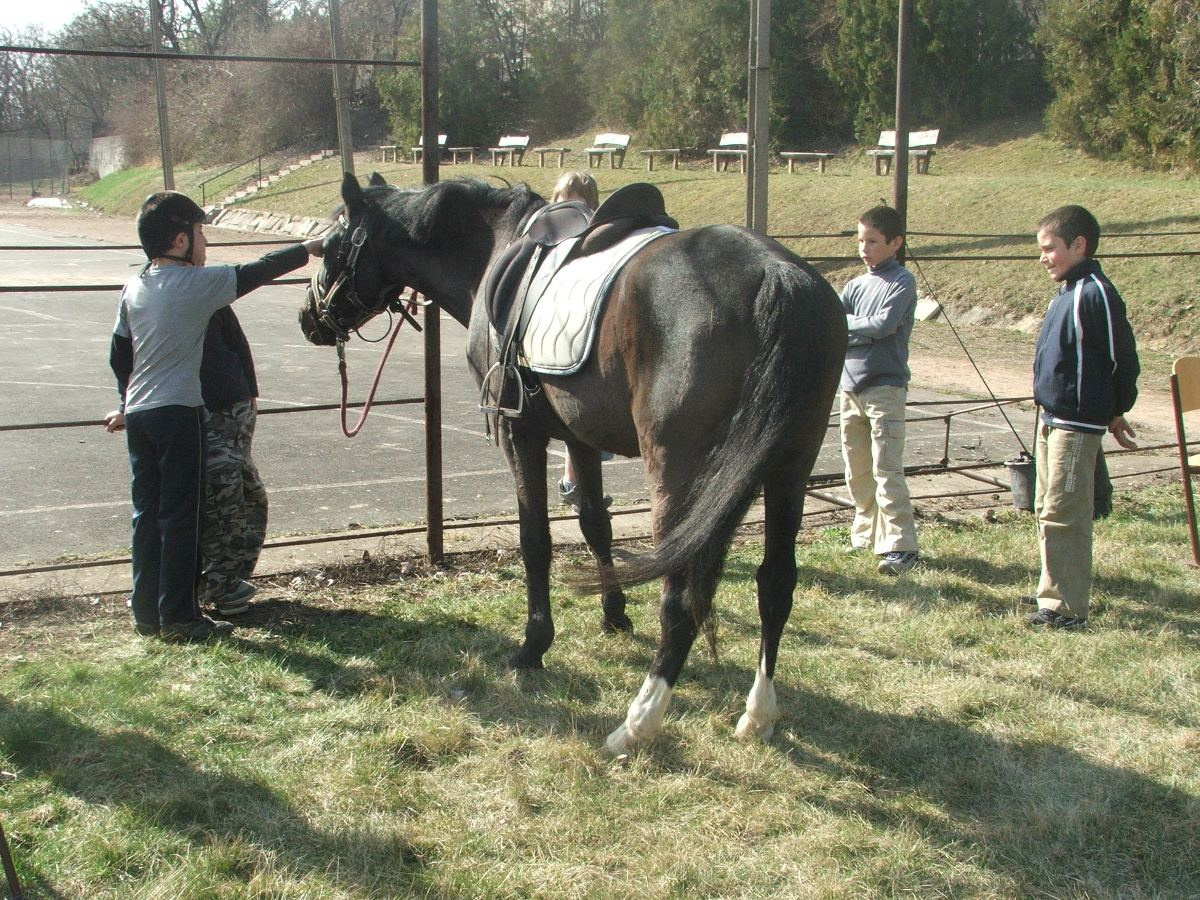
(30, 167)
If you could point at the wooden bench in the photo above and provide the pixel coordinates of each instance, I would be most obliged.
(672, 152)
(420, 148)
(389, 150)
(921, 147)
(457, 152)
(733, 145)
(542, 151)
(805, 156)
(611, 145)
(512, 147)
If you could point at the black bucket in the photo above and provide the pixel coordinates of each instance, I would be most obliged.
(1021, 475)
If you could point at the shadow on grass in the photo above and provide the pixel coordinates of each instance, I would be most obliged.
(1047, 818)
(138, 774)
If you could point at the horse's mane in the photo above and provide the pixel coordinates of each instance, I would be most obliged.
(427, 213)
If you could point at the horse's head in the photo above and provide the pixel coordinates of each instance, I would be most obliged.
(355, 282)
(436, 240)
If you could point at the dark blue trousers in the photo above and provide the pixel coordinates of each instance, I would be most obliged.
(166, 455)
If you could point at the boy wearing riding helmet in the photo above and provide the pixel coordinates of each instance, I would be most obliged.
(157, 345)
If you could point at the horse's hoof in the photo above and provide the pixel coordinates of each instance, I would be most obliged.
(750, 730)
(619, 742)
(523, 661)
(621, 624)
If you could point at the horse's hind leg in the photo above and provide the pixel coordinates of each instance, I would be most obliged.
(682, 595)
(526, 453)
(596, 526)
(783, 499)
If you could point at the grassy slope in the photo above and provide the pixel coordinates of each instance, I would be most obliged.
(365, 740)
(998, 180)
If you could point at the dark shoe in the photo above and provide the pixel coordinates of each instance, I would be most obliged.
(145, 630)
(1028, 600)
(898, 562)
(1048, 618)
(197, 630)
(236, 601)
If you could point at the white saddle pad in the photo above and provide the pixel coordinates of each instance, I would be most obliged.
(558, 321)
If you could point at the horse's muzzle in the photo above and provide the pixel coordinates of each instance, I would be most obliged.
(312, 327)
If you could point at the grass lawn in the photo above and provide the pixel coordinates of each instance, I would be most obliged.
(361, 737)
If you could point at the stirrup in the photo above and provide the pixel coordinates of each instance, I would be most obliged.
(499, 409)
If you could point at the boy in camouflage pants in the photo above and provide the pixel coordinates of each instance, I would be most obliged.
(235, 511)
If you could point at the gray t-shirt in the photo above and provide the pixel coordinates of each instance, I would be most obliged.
(880, 308)
(165, 313)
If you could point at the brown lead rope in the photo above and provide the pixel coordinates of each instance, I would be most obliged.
(405, 315)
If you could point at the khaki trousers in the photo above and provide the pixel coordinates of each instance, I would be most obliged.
(1066, 465)
(872, 425)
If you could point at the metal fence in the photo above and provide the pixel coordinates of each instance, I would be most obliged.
(31, 166)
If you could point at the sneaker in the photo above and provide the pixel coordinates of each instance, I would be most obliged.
(236, 601)
(569, 493)
(145, 630)
(194, 631)
(1044, 618)
(898, 562)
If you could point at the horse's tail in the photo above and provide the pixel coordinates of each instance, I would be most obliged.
(800, 338)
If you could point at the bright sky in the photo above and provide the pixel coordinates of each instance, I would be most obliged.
(51, 15)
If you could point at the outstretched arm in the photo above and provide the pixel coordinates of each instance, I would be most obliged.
(274, 264)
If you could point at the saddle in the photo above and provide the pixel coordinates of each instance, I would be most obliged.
(506, 284)
(627, 209)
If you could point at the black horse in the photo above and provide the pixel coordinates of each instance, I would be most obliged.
(716, 359)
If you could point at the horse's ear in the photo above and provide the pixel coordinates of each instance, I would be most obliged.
(376, 180)
(352, 194)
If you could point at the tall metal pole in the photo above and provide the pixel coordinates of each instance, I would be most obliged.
(758, 115)
(900, 170)
(164, 130)
(340, 102)
(434, 535)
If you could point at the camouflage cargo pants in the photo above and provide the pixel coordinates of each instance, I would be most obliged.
(235, 512)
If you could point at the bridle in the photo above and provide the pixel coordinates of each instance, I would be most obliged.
(321, 299)
(321, 308)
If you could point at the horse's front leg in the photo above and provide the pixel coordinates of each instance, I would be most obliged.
(525, 450)
(596, 525)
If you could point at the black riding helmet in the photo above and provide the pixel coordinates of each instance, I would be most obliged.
(163, 216)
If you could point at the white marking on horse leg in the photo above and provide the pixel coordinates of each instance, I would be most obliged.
(645, 716)
(758, 721)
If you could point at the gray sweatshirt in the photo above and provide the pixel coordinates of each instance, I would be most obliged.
(880, 307)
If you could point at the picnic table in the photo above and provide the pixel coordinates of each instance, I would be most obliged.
(672, 152)
(921, 147)
(512, 148)
(792, 156)
(733, 145)
(611, 145)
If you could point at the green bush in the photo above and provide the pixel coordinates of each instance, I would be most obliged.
(1124, 73)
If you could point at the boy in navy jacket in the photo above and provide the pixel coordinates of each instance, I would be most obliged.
(1085, 372)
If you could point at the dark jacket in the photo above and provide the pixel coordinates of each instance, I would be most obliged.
(1085, 368)
(227, 371)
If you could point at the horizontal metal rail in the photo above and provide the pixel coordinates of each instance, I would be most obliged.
(815, 483)
(207, 57)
